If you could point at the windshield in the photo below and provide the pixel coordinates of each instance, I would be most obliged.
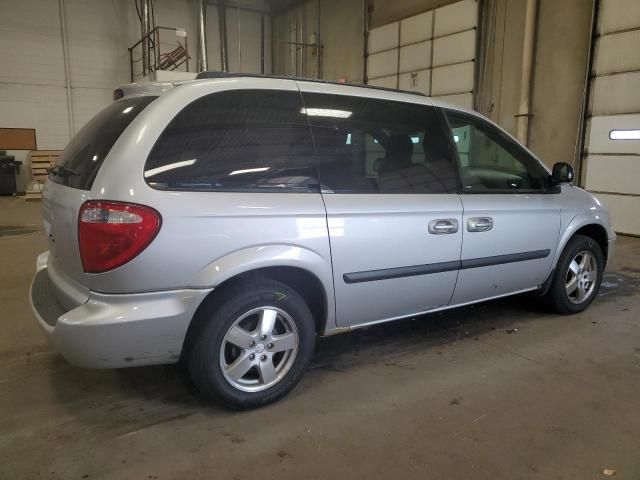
(80, 161)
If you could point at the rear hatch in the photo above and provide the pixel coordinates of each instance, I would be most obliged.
(70, 182)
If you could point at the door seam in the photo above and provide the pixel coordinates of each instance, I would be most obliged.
(462, 229)
(326, 214)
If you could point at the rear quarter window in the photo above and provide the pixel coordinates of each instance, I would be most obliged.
(237, 140)
(82, 158)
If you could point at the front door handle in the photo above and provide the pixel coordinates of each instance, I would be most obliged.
(480, 224)
(443, 226)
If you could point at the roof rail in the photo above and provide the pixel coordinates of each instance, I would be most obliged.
(218, 74)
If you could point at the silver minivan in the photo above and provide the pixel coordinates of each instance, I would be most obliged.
(225, 222)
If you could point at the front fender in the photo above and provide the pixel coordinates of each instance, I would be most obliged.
(253, 258)
(596, 217)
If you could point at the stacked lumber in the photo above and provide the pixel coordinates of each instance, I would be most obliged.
(41, 162)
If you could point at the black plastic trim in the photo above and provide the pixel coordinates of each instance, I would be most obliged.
(502, 259)
(44, 299)
(414, 270)
(399, 272)
(544, 288)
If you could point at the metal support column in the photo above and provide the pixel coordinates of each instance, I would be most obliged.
(222, 20)
(203, 63)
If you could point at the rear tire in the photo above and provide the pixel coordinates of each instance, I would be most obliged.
(252, 346)
(577, 276)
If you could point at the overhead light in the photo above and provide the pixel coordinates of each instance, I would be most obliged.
(456, 138)
(171, 166)
(326, 112)
(624, 134)
(249, 170)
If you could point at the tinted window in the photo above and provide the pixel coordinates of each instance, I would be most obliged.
(490, 160)
(239, 140)
(81, 159)
(376, 146)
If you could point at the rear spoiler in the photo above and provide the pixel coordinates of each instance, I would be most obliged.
(142, 88)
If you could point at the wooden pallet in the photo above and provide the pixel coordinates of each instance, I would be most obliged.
(41, 162)
(32, 196)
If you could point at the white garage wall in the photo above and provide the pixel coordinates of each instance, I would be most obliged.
(613, 166)
(32, 77)
(433, 53)
(99, 32)
(31, 73)
(98, 35)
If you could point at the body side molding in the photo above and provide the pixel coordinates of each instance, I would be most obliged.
(413, 270)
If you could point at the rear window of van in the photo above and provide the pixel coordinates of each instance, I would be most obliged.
(82, 158)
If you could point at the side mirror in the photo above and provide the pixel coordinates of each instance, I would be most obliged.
(562, 173)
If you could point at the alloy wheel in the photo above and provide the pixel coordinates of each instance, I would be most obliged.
(259, 349)
(581, 277)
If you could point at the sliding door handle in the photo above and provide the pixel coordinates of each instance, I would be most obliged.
(443, 226)
(480, 224)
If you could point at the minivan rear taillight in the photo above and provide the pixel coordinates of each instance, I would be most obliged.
(112, 233)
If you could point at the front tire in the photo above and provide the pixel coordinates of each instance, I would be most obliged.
(252, 346)
(577, 277)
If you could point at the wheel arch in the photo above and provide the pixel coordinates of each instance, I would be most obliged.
(598, 234)
(594, 230)
(590, 227)
(303, 270)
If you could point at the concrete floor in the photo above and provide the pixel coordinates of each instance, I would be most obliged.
(494, 391)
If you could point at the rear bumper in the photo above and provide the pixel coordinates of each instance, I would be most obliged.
(117, 330)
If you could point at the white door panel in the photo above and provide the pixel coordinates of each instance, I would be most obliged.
(619, 57)
(416, 29)
(624, 212)
(615, 94)
(613, 173)
(619, 15)
(457, 48)
(417, 81)
(415, 57)
(453, 79)
(600, 130)
(383, 64)
(383, 38)
(456, 17)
